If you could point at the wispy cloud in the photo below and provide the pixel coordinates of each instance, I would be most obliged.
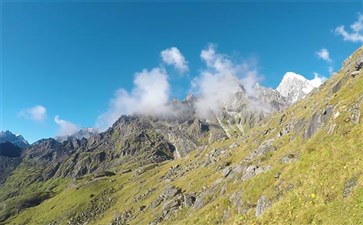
(356, 33)
(331, 70)
(221, 79)
(149, 96)
(318, 80)
(172, 56)
(324, 55)
(37, 113)
(65, 127)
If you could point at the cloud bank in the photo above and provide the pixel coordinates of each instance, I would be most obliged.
(356, 33)
(37, 113)
(149, 96)
(318, 80)
(172, 56)
(214, 86)
(65, 127)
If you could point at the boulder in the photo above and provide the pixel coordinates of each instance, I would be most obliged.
(226, 171)
(354, 73)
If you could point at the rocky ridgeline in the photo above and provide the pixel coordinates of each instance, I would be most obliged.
(145, 140)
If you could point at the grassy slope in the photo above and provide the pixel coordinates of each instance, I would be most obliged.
(311, 188)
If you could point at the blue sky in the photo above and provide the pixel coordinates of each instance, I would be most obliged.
(69, 58)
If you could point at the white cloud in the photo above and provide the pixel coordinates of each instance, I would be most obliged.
(324, 55)
(331, 70)
(150, 96)
(356, 33)
(318, 80)
(37, 113)
(65, 127)
(217, 84)
(172, 56)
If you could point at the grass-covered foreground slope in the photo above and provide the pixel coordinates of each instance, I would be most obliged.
(300, 166)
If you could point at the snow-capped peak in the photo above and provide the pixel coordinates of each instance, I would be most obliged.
(16, 139)
(295, 86)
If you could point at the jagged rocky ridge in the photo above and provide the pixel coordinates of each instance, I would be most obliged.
(7, 136)
(219, 182)
(146, 139)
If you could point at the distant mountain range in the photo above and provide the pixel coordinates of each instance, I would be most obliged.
(83, 133)
(16, 139)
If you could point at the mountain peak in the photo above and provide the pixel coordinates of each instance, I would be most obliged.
(292, 75)
(295, 86)
(16, 139)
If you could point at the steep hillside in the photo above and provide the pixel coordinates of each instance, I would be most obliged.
(302, 165)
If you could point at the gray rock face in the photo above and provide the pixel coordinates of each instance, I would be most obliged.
(244, 111)
(171, 205)
(200, 201)
(271, 98)
(339, 84)
(262, 205)
(317, 121)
